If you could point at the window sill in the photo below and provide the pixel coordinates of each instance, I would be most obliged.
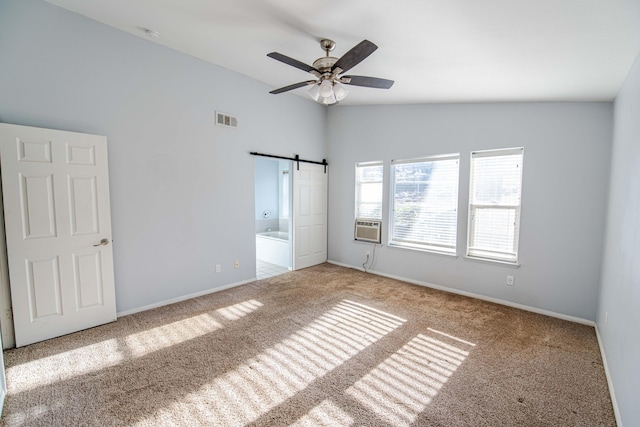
(418, 249)
(493, 261)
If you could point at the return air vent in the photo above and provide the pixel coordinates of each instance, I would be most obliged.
(227, 120)
(368, 230)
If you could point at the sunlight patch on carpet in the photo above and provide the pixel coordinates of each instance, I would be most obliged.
(238, 311)
(265, 381)
(171, 334)
(94, 357)
(401, 387)
(187, 329)
(326, 413)
(65, 365)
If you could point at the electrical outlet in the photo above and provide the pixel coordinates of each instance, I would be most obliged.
(218, 268)
(510, 280)
(236, 264)
(368, 254)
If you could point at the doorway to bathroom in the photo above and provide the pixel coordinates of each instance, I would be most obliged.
(273, 208)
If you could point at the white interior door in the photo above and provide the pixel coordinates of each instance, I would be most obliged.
(309, 215)
(55, 189)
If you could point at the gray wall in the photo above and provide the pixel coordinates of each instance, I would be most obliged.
(566, 170)
(182, 195)
(619, 309)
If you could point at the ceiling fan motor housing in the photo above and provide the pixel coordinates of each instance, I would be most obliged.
(324, 64)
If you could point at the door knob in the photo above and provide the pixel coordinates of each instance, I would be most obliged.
(103, 242)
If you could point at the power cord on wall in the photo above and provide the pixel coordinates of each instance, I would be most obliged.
(373, 258)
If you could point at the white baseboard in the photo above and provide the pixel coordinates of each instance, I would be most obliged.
(183, 298)
(616, 409)
(476, 296)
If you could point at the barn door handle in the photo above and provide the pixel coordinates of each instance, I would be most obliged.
(103, 242)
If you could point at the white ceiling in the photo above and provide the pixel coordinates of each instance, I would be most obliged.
(435, 50)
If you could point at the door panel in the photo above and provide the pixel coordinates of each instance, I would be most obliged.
(309, 215)
(37, 190)
(43, 282)
(56, 209)
(83, 205)
(88, 279)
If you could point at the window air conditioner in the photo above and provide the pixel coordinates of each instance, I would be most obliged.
(368, 230)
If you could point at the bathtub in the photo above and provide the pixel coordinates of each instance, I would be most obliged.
(273, 247)
(279, 235)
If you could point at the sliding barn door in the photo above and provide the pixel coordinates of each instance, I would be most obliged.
(309, 215)
(55, 188)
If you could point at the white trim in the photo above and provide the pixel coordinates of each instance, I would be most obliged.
(451, 156)
(616, 409)
(358, 185)
(492, 261)
(472, 207)
(183, 298)
(422, 248)
(433, 247)
(372, 163)
(476, 296)
(501, 151)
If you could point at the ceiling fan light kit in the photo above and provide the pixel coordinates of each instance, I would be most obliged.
(327, 92)
(329, 86)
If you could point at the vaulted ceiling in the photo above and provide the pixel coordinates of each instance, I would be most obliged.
(435, 50)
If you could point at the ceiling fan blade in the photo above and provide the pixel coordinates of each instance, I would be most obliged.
(367, 81)
(293, 62)
(293, 86)
(356, 55)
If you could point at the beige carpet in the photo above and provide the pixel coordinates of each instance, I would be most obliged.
(322, 346)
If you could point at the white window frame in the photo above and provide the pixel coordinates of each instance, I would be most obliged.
(494, 254)
(357, 190)
(433, 246)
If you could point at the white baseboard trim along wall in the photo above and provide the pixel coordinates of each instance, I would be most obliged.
(476, 296)
(183, 298)
(612, 393)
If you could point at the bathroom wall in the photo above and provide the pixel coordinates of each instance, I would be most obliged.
(267, 185)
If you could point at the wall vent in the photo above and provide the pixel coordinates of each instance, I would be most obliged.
(368, 230)
(224, 119)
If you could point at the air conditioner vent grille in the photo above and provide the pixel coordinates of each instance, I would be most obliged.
(368, 230)
(224, 119)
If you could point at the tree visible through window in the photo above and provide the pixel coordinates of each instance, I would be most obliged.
(494, 204)
(424, 210)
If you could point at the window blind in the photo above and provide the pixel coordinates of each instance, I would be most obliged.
(494, 204)
(424, 196)
(369, 190)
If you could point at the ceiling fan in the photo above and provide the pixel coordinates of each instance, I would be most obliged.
(328, 88)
